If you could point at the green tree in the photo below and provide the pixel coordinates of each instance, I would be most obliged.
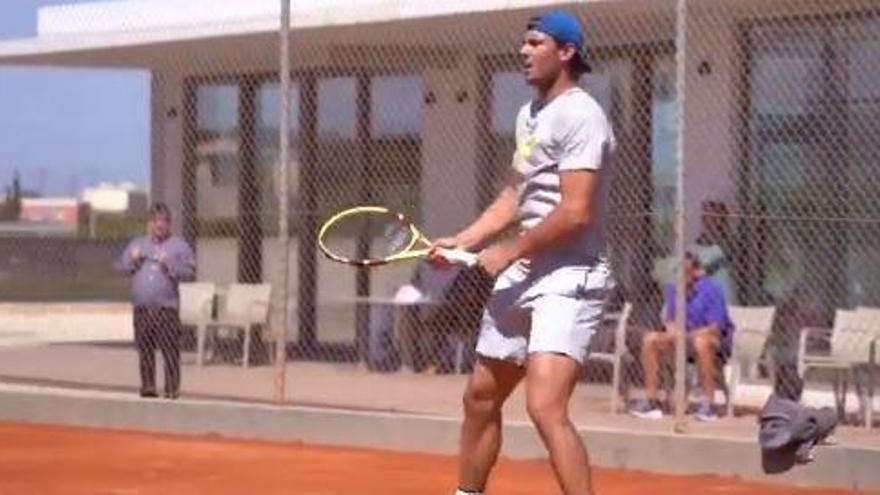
(11, 208)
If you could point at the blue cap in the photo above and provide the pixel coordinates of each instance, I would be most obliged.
(565, 28)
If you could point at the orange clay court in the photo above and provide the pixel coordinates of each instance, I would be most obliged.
(46, 460)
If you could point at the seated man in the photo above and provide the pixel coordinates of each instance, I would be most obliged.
(709, 333)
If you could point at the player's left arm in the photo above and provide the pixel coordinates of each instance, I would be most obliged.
(572, 215)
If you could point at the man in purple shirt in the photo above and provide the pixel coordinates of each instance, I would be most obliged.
(709, 336)
(157, 263)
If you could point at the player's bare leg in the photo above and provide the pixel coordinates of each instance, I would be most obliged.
(550, 381)
(706, 345)
(654, 344)
(490, 384)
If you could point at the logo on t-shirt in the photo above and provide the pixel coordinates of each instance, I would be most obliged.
(527, 145)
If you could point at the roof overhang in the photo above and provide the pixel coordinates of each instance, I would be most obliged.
(146, 33)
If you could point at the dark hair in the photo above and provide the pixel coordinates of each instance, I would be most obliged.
(159, 209)
(533, 22)
(693, 259)
(712, 207)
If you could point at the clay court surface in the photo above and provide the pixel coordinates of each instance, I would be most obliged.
(37, 459)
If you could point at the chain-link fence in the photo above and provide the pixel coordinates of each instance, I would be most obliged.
(746, 136)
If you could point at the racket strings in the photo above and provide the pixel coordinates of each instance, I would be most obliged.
(368, 236)
(397, 238)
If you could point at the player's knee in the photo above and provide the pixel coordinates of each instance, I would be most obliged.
(705, 345)
(479, 404)
(545, 410)
(651, 340)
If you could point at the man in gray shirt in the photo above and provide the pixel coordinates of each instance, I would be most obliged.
(157, 263)
(553, 277)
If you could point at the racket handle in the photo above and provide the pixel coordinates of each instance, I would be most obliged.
(458, 256)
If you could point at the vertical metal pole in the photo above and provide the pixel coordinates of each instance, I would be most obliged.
(680, 424)
(283, 203)
(365, 196)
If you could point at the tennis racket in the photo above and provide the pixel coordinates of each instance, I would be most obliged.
(375, 235)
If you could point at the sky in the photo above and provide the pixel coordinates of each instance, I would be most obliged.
(64, 129)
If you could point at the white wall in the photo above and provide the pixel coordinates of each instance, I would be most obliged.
(217, 260)
(274, 274)
(711, 112)
(449, 163)
(166, 172)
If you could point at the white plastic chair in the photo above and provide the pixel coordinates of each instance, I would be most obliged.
(851, 340)
(616, 355)
(196, 305)
(245, 305)
(872, 315)
(752, 327)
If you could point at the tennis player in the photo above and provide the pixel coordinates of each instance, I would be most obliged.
(551, 278)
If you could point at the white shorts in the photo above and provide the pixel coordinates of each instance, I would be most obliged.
(556, 312)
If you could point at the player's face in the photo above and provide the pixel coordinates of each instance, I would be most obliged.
(159, 226)
(543, 60)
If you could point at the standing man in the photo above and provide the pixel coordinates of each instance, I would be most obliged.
(157, 263)
(551, 278)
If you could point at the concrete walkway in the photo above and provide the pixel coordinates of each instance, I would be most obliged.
(96, 384)
(347, 386)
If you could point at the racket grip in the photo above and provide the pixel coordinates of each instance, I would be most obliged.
(458, 256)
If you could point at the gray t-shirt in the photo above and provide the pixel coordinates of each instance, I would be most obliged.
(571, 132)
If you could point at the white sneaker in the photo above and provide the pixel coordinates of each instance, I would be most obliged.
(646, 410)
(705, 413)
(829, 440)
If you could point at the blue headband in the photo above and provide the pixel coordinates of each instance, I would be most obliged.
(565, 28)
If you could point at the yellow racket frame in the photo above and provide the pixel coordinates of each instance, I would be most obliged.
(409, 252)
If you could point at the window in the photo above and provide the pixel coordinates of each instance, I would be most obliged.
(508, 92)
(217, 150)
(217, 108)
(396, 104)
(813, 165)
(664, 149)
(268, 140)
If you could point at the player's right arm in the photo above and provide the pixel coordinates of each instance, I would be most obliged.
(497, 217)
